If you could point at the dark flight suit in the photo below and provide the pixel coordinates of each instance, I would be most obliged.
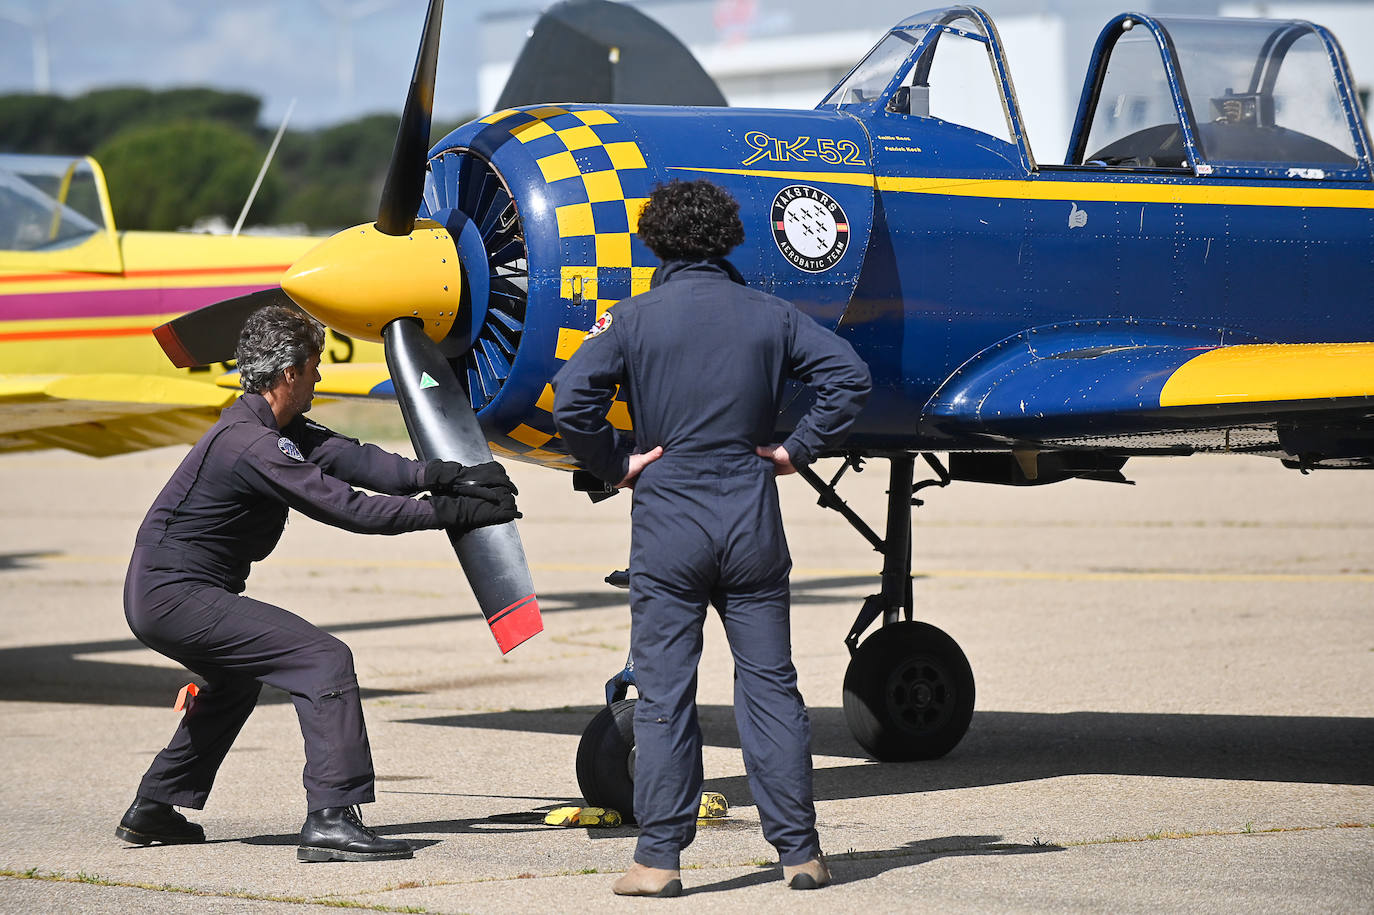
(704, 360)
(223, 509)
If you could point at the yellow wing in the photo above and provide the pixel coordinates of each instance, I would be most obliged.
(101, 415)
(348, 380)
(1307, 402)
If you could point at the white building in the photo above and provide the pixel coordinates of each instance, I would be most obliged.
(790, 53)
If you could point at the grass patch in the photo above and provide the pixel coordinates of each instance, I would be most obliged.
(35, 873)
(1247, 830)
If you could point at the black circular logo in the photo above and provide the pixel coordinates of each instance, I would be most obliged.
(810, 228)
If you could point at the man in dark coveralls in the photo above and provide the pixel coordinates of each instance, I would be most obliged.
(703, 360)
(225, 508)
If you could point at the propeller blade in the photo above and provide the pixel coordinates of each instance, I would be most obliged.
(211, 334)
(438, 414)
(405, 176)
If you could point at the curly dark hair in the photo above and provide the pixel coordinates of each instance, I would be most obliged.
(690, 220)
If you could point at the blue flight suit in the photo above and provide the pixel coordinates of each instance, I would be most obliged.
(223, 509)
(703, 360)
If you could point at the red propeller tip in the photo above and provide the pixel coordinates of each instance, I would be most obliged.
(171, 345)
(516, 623)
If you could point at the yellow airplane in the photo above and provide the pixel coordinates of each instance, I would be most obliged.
(79, 365)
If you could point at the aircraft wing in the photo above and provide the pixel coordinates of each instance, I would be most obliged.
(107, 414)
(1141, 394)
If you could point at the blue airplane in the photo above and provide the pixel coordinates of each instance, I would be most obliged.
(1197, 276)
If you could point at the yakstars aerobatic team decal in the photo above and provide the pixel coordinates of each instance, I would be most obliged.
(810, 228)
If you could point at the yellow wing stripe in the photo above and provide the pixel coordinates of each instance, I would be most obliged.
(1263, 373)
(1106, 191)
(1123, 192)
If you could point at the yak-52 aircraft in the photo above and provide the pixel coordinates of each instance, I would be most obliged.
(1198, 276)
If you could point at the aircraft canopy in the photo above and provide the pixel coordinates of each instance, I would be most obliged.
(50, 202)
(1242, 97)
(1246, 98)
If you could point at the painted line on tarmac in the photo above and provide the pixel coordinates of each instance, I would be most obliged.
(804, 572)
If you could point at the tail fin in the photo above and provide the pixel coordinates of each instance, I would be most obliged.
(595, 51)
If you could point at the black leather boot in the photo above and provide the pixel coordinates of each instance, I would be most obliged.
(338, 834)
(146, 822)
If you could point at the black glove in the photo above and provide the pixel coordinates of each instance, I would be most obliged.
(467, 512)
(449, 478)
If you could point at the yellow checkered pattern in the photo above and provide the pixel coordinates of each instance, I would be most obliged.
(598, 182)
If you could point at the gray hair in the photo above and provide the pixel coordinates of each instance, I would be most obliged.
(274, 338)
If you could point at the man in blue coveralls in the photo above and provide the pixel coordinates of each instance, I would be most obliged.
(225, 508)
(703, 360)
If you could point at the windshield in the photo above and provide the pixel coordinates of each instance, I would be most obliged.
(47, 202)
(876, 70)
(1262, 91)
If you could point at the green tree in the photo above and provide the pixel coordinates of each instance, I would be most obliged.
(26, 123)
(164, 173)
(85, 122)
(237, 109)
(336, 173)
(75, 126)
(167, 176)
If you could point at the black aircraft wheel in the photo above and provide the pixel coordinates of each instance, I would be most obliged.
(908, 693)
(606, 759)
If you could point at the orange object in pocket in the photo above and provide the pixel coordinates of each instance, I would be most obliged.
(186, 698)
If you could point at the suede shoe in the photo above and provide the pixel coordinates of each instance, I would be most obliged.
(146, 822)
(811, 875)
(640, 880)
(338, 834)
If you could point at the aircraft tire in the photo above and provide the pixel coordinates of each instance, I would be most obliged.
(605, 759)
(908, 693)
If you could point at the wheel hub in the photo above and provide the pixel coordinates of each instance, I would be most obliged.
(918, 695)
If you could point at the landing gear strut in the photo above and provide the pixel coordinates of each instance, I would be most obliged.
(908, 691)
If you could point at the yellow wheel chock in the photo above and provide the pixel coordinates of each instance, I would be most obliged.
(583, 816)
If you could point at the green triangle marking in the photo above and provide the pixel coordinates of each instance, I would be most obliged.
(427, 382)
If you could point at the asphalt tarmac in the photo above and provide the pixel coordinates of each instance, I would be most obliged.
(1174, 688)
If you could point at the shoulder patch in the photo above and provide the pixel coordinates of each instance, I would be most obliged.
(288, 448)
(602, 324)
